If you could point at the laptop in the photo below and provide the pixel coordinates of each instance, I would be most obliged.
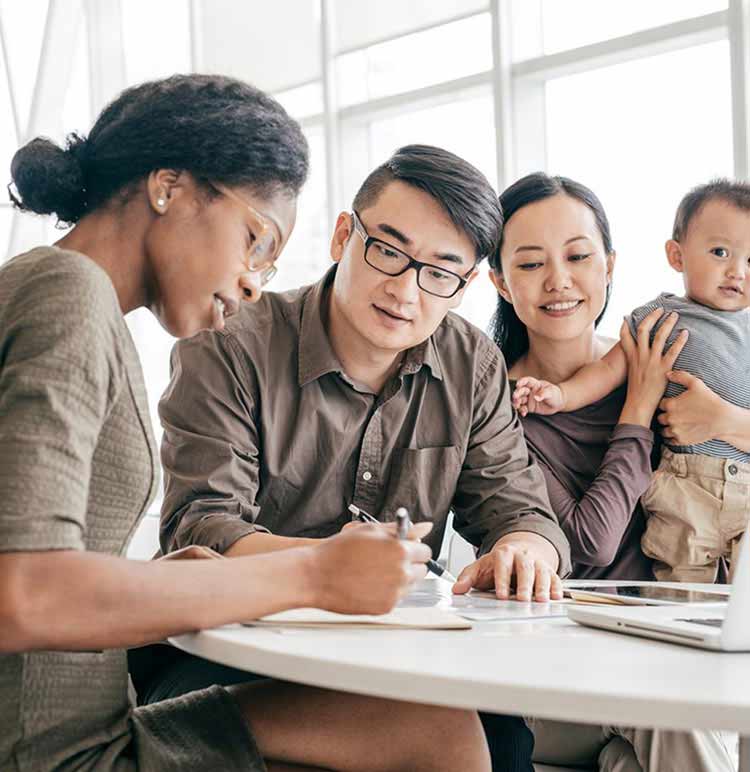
(724, 627)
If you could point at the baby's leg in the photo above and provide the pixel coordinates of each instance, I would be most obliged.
(682, 532)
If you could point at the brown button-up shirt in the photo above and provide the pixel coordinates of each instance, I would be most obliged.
(263, 430)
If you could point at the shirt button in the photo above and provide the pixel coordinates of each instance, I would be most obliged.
(732, 469)
(367, 477)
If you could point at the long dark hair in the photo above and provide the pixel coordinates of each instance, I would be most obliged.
(508, 331)
(217, 128)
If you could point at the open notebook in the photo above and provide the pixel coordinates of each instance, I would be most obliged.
(400, 618)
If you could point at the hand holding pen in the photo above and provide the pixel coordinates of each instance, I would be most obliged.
(403, 525)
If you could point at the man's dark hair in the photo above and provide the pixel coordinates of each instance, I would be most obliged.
(461, 189)
(732, 192)
(508, 331)
(217, 128)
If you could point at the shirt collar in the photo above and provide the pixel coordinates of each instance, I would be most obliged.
(316, 355)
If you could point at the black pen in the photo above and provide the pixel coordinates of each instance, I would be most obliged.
(432, 565)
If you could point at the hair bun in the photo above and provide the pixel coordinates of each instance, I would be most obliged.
(50, 180)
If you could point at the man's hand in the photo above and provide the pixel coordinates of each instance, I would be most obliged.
(522, 560)
(534, 396)
(697, 415)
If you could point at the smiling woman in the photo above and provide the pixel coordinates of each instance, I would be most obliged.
(553, 273)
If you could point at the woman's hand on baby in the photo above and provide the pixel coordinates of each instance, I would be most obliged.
(648, 363)
(532, 395)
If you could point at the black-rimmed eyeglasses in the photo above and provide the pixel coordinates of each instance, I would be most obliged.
(390, 260)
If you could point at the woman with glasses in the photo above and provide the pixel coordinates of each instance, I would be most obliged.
(182, 198)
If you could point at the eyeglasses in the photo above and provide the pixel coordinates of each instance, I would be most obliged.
(263, 251)
(390, 260)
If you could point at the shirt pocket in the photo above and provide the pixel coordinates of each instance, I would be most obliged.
(424, 481)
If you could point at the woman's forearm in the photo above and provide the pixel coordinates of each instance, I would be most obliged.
(99, 601)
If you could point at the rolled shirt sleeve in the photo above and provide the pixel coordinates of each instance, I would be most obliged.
(501, 490)
(210, 446)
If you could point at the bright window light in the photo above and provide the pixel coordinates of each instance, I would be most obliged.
(156, 38)
(641, 135)
(306, 255)
(574, 23)
(422, 59)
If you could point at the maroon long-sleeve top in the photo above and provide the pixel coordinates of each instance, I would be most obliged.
(596, 471)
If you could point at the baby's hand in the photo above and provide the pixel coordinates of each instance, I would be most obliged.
(535, 396)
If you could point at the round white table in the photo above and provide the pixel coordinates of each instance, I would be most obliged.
(551, 668)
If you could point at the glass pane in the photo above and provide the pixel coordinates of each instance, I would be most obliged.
(6, 218)
(361, 22)
(303, 100)
(23, 27)
(274, 46)
(77, 106)
(465, 127)
(631, 134)
(8, 139)
(444, 53)
(563, 26)
(307, 256)
(156, 39)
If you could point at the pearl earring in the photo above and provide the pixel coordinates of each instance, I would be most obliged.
(160, 202)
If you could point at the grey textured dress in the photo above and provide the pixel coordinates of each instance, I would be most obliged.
(77, 471)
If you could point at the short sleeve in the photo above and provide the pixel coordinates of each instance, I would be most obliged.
(637, 316)
(60, 372)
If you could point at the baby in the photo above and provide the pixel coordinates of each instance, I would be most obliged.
(699, 499)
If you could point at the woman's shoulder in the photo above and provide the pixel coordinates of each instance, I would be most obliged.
(58, 284)
(55, 298)
(75, 271)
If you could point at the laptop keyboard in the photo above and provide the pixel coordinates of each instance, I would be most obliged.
(709, 622)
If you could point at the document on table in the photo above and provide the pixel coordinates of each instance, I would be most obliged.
(478, 606)
(400, 618)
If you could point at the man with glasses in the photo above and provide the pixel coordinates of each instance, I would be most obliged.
(370, 393)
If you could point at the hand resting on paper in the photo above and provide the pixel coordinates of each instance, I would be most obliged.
(522, 560)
